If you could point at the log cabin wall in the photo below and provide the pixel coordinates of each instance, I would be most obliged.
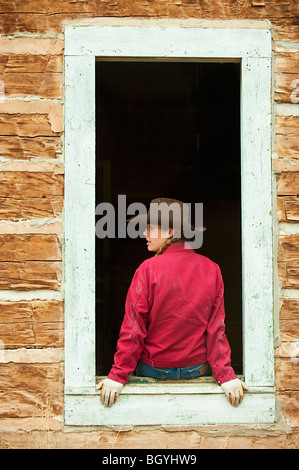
(31, 226)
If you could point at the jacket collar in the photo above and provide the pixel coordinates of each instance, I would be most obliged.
(179, 247)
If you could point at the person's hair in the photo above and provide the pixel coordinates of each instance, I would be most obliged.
(167, 243)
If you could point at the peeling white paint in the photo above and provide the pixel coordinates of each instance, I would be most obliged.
(286, 109)
(45, 225)
(34, 294)
(254, 49)
(31, 44)
(169, 22)
(289, 293)
(28, 356)
(287, 228)
(34, 165)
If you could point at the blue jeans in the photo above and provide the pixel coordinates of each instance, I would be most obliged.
(191, 372)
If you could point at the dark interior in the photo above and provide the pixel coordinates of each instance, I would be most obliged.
(168, 129)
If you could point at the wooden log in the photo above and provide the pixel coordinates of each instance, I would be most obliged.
(214, 9)
(288, 209)
(290, 407)
(286, 374)
(288, 270)
(35, 335)
(286, 60)
(31, 208)
(26, 275)
(29, 247)
(23, 148)
(287, 29)
(289, 274)
(27, 75)
(289, 326)
(288, 183)
(141, 439)
(43, 85)
(51, 16)
(286, 72)
(46, 7)
(35, 324)
(31, 389)
(23, 184)
(32, 377)
(26, 125)
(286, 136)
(289, 329)
(34, 310)
(30, 129)
(22, 404)
(289, 309)
(288, 247)
(30, 63)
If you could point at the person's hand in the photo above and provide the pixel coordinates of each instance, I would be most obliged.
(234, 391)
(109, 391)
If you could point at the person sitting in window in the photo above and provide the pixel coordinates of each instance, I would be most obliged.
(173, 327)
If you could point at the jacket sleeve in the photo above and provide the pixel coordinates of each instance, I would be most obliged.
(218, 349)
(133, 330)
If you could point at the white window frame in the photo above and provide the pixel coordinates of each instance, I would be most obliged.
(172, 403)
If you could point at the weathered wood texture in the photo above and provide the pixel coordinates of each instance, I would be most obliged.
(31, 75)
(29, 390)
(290, 406)
(34, 324)
(288, 183)
(287, 360)
(286, 72)
(25, 125)
(20, 147)
(29, 134)
(12, 208)
(26, 195)
(30, 262)
(49, 16)
(287, 377)
(30, 185)
(25, 63)
(286, 136)
(289, 321)
(288, 268)
(288, 209)
(29, 247)
(28, 275)
(144, 439)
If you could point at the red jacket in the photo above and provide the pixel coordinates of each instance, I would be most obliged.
(174, 316)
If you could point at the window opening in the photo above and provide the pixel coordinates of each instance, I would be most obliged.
(169, 129)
